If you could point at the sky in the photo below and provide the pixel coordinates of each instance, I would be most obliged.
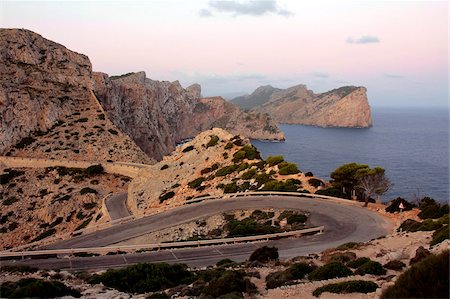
(397, 49)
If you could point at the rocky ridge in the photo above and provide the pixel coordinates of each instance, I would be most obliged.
(160, 114)
(342, 107)
(47, 107)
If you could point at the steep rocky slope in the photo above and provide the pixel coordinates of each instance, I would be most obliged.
(50, 201)
(157, 115)
(343, 107)
(47, 108)
(213, 163)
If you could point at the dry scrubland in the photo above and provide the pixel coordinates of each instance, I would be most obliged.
(39, 203)
(213, 163)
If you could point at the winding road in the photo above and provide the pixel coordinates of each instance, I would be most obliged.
(117, 206)
(343, 223)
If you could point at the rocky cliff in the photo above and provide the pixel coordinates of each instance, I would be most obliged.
(160, 114)
(342, 107)
(47, 108)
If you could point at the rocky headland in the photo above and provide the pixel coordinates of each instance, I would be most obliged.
(346, 106)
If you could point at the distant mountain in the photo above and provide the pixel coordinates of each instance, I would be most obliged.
(260, 96)
(342, 107)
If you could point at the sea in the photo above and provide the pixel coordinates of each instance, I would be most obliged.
(412, 144)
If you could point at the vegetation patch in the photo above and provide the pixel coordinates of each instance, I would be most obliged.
(425, 279)
(226, 170)
(330, 270)
(274, 160)
(395, 265)
(264, 254)
(142, 278)
(188, 149)
(440, 235)
(353, 286)
(165, 196)
(214, 139)
(196, 183)
(87, 190)
(286, 168)
(36, 288)
(394, 205)
(371, 267)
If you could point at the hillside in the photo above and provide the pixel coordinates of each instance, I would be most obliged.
(213, 163)
(160, 114)
(342, 107)
(47, 108)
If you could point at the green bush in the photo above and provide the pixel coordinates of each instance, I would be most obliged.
(440, 235)
(226, 170)
(95, 169)
(229, 145)
(431, 209)
(299, 270)
(274, 160)
(316, 182)
(242, 166)
(36, 288)
(262, 178)
(371, 267)
(10, 201)
(5, 178)
(238, 156)
(87, 190)
(353, 286)
(410, 225)
(225, 263)
(309, 174)
(248, 174)
(214, 139)
(213, 167)
(296, 218)
(142, 278)
(394, 205)
(330, 270)
(44, 235)
(264, 254)
(188, 149)
(165, 196)
(248, 227)
(289, 168)
(426, 279)
(196, 183)
(395, 265)
(165, 166)
(343, 257)
(357, 263)
(228, 282)
(278, 279)
(26, 141)
(230, 188)
(113, 132)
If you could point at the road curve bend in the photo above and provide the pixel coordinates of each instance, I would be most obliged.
(342, 222)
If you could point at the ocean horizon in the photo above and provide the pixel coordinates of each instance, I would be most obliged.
(412, 144)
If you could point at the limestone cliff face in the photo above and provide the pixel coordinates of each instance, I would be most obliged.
(159, 114)
(47, 108)
(343, 107)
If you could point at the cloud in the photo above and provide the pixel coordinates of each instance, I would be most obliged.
(394, 76)
(251, 8)
(320, 75)
(205, 13)
(365, 39)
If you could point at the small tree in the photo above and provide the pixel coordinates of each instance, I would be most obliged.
(372, 181)
(345, 177)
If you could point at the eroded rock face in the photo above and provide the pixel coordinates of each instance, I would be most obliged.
(343, 107)
(46, 97)
(159, 114)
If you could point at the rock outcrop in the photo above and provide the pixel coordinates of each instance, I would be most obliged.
(342, 107)
(160, 114)
(47, 108)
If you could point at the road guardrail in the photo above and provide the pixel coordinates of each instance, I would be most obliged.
(158, 246)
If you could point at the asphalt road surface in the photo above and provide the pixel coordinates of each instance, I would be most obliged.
(117, 206)
(343, 223)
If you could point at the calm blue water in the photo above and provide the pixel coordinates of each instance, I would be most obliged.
(411, 144)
